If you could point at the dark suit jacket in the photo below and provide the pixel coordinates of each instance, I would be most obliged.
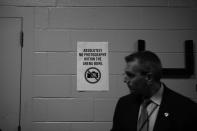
(182, 113)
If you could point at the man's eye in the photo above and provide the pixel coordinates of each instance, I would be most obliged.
(131, 75)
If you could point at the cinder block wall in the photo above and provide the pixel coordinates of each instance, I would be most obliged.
(59, 24)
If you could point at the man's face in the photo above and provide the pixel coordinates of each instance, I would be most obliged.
(136, 82)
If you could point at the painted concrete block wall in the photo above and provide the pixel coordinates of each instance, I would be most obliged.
(59, 24)
(164, 29)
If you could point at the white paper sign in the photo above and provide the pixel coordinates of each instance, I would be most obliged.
(92, 66)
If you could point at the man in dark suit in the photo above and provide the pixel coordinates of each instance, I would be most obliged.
(165, 110)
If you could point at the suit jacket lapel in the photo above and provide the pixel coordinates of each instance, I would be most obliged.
(135, 114)
(163, 118)
(133, 111)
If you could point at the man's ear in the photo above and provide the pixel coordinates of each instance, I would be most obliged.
(149, 76)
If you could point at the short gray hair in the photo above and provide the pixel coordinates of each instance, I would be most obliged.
(148, 61)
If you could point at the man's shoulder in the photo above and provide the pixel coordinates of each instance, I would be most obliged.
(178, 98)
(126, 97)
(129, 98)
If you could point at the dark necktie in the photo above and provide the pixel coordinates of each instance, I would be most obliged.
(142, 124)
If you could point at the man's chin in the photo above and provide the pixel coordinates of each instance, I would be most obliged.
(132, 91)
